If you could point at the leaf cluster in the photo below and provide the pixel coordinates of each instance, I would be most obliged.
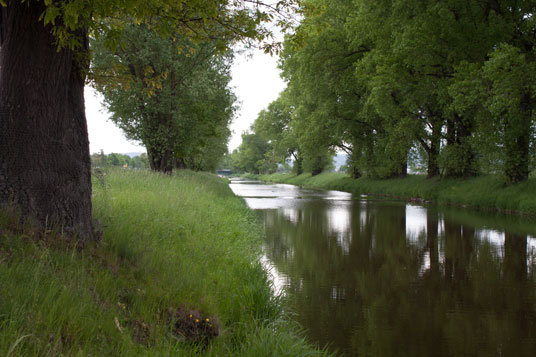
(171, 94)
(442, 87)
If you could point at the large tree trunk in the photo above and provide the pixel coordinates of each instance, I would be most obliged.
(461, 162)
(517, 143)
(158, 143)
(160, 159)
(298, 160)
(45, 170)
(434, 148)
(464, 132)
(318, 166)
(403, 172)
(180, 164)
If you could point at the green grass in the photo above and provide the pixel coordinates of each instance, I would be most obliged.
(486, 193)
(168, 243)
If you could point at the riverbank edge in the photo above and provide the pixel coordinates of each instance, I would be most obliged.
(174, 249)
(486, 193)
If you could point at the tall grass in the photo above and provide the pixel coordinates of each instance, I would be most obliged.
(169, 243)
(487, 192)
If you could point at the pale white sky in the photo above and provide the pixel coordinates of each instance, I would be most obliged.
(256, 83)
(103, 134)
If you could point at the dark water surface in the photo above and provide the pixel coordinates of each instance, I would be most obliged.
(383, 278)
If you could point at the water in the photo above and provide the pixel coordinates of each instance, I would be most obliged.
(381, 278)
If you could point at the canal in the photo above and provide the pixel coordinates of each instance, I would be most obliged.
(387, 278)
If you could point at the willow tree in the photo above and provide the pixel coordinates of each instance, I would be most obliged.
(44, 59)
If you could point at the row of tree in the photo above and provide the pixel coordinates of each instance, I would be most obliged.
(100, 160)
(445, 86)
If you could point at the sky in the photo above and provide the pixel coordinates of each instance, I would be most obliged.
(256, 82)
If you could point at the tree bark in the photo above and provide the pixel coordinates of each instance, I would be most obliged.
(403, 173)
(318, 166)
(354, 172)
(463, 136)
(180, 164)
(45, 170)
(160, 159)
(462, 164)
(517, 143)
(3, 19)
(433, 149)
(298, 160)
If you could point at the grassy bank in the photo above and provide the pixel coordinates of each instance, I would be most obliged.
(487, 193)
(177, 264)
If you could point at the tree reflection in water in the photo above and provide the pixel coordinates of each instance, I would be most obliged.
(390, 279)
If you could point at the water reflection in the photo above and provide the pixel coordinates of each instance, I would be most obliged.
(416, 224)
(390, 279)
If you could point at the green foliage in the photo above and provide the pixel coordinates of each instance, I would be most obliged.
(271, 141)
(168, 242)
(106, 19)
(445, 86)
(318, 65)
(315, 164)
(176, 102)
(251, 156)
(510, 79)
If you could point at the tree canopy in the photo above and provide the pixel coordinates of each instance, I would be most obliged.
(171, 94)
(440, 86)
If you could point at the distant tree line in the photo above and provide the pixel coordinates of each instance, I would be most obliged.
(442, 87)
(101, 160)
